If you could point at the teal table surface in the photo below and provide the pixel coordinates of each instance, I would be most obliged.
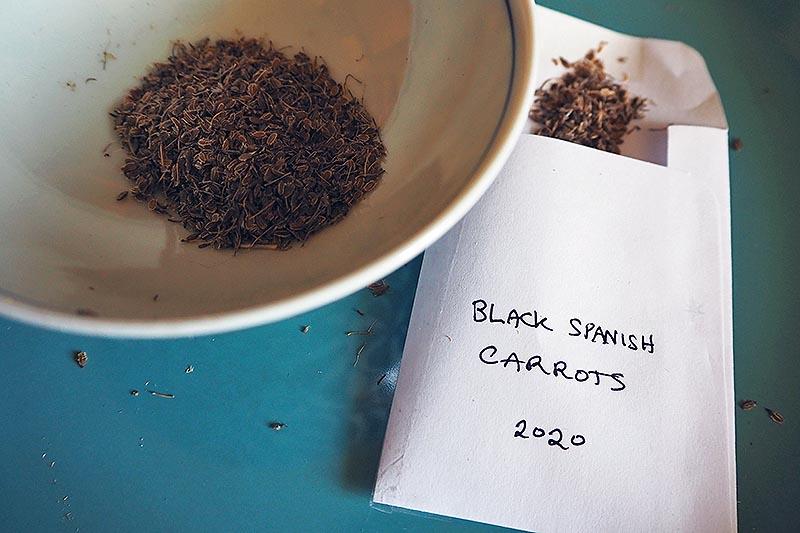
(79, 452)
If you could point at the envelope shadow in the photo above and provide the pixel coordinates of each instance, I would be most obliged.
(375, 377)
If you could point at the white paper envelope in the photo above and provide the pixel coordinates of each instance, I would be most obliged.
(609, 280)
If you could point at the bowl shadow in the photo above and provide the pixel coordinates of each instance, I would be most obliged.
(376, 377)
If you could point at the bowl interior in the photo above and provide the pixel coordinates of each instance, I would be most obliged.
(436, 76)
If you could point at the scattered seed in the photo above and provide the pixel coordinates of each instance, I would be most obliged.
(65, 498)
(121, 196)
(775, 416)
(381, 379)
(449, 338)
(361, 333)
(87, 80)
(106, 57)
(155, 297)
(52, 464)
(304, 329)
(161, 394)
(359, 311)
(747, 405)
(134, 392)
(586, 105)
(189, 369)
(81, 358)
(378, 288)
(622, 59)
(71, 85)
(277, 426)
(736, 144)
(358, 353)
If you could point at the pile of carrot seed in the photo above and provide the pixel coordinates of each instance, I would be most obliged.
(586, 105)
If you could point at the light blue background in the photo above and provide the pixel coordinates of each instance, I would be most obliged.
(206, 460)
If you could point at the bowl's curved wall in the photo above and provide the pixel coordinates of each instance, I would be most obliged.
(440, 76)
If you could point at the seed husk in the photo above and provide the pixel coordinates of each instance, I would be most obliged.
(159, 394)
(358, 353)
(379, 288)
(747, 405)
(775, 416)
(362, 333)
(106, 56)
(81, 359)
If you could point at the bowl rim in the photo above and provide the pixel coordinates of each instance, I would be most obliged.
(515, 114)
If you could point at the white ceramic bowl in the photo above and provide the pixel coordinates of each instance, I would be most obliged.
(450, 83)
